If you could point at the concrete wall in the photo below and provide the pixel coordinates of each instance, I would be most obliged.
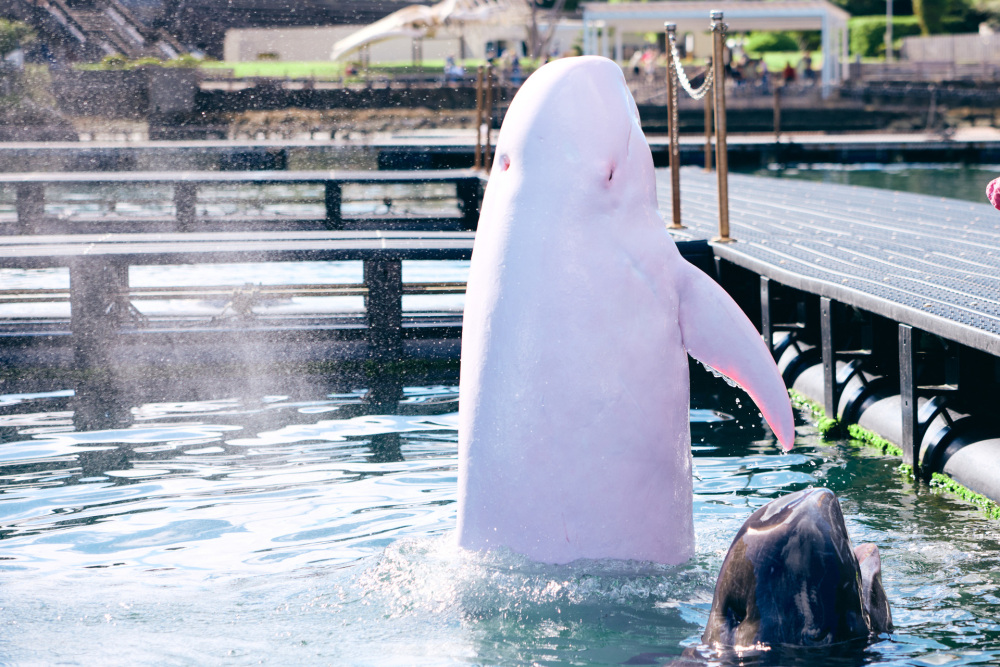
(291, 44)
(315, 44)
(973, 48)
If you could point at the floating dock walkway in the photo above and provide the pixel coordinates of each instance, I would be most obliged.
(882, 306)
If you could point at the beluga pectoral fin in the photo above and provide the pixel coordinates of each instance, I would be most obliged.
(717, 333)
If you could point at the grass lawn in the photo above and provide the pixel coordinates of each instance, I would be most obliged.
(324, 69)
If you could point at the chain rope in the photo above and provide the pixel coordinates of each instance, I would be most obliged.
(681, 76)
(674, 128)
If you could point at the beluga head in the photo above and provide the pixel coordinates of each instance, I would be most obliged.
(572, 138)
(580, 315)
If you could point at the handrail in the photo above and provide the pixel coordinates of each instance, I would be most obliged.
(27, 295)
(715, 82)
(31, 192)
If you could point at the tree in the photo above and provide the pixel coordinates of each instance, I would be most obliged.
(538, 41)
(930, 15)
(14, 35)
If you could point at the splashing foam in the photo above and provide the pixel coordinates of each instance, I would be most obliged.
(728, 380)
(434, 575)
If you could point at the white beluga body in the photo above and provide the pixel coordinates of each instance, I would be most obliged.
(574, 439)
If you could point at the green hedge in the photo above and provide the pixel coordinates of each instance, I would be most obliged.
(764, 42)
(868, 33)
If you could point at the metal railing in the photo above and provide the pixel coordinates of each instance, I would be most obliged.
(180, 201)
(485, 103)
(714, 82)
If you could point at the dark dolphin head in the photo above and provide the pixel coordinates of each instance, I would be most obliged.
(791, 577)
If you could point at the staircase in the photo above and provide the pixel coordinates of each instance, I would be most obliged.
(92, 29)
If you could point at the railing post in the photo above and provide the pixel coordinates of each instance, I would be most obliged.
(672, 113)
(469, 192)
(777, 113)
(829, 356)
(384, 306)
(30, 207)
(708, 127)
(333, 200)
(721, 157)
(477, 162)
(97, 308)
(908, 399)
(185, 209)
(766, 325)
(488, 148)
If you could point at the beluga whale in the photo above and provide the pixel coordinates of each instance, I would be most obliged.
(574, 436)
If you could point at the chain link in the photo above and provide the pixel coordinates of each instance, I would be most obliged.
(674, 128)
(681, 76)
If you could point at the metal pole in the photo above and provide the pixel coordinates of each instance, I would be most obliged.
(487, 154)
(675, 167)
(829, 358)
(888, 31)
(478, 160)
(908, 398)
(777, 113)
(708, 126)
(721, 158)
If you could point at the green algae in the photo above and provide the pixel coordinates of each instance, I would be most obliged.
(802, 401)
(943, 483)
(873, 440)
(832, 428)
(829, 428)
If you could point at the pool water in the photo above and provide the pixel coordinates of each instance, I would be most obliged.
(305, 529)
(954, 181)
(315, 527)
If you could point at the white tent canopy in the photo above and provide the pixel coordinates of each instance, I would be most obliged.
(602, 21)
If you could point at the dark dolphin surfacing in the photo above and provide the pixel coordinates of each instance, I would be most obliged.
(791, 577)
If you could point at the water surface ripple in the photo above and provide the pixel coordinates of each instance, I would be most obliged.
(305, 530)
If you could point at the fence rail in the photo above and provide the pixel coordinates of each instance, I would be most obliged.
(33, 189)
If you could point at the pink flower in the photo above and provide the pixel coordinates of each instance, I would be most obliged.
(993, 192)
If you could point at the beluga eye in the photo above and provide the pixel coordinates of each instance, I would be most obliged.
(504, 162)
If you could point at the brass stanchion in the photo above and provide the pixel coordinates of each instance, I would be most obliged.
(674, 130)
(488, 148)
(721, 157)
(478, 159)
(777, 113)
(708, 126)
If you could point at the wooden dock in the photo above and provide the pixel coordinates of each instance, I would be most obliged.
(453, 149)
(105, 329)
(185, 186)
(883, 306)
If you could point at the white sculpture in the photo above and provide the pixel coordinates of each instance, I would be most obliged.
(417, 21)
